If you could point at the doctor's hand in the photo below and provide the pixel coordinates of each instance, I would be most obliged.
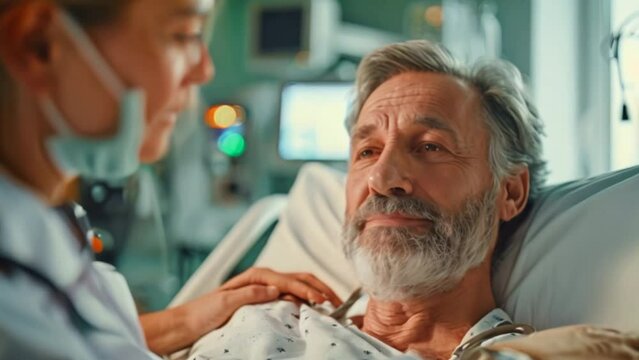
(301, 286)
(176, 328)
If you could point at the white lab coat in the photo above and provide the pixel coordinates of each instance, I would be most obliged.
(34, 321)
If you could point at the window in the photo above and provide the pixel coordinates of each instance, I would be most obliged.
(624, 134)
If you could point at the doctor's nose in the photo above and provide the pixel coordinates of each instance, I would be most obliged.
(389, 177)
(203, 69)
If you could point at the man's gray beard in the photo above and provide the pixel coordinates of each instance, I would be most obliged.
(399, 263)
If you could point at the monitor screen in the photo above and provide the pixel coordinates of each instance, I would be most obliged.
(312, 121)
(280, 31)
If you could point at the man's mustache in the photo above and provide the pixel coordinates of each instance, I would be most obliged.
(404, 206)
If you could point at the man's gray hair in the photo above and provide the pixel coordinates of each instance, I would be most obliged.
(514, 126)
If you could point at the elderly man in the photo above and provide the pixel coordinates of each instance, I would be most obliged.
(441, 154)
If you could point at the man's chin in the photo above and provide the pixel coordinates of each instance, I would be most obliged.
(417, 226)
(389, 239)
(399, 278)
(385, 233)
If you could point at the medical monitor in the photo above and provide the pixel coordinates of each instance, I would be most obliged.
(286, 36)
(311, 121)
(281, 31)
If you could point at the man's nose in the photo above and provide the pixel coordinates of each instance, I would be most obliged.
(390, 176)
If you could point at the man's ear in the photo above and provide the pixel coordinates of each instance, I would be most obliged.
(25, 43)
(514, 194)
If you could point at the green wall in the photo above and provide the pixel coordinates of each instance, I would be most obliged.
(231, 33)
(515, 19)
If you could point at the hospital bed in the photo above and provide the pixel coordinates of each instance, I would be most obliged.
(571, 257)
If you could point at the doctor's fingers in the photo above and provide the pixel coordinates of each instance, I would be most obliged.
(303, 285)
(295, 284)
(320, 285)
(251, 294)
(226, 302)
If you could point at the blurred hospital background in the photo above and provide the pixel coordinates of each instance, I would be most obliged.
(284, 72)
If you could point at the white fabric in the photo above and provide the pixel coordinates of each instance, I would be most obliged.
(308, 235)
(34, 322)
(282, 330)
(219, 264)
(574, 256)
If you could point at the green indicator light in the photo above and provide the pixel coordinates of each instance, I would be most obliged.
(231, 144)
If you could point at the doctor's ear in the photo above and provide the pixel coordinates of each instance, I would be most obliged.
(513, 195)
(25, 43)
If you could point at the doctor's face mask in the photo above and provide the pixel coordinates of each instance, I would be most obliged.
(108, 158)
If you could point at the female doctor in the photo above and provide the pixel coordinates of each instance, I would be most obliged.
(93, 87)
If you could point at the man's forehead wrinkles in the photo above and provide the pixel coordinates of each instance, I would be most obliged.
(364, 130)
(413, 97)
(362, 133)
(403, 92)
(435, 123)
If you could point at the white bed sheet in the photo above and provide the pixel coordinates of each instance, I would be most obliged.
(307, 237)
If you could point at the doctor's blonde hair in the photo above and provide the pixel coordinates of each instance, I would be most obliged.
(512, 120)
(88, 13)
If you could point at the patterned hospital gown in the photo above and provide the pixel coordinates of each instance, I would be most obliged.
(283, 330)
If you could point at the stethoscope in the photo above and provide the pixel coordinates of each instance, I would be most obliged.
(7, 263)
(83, 227)
(465, 350)
(84, 234)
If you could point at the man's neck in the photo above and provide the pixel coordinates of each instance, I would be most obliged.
(432, 326)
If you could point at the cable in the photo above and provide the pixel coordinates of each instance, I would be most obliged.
(615, 43)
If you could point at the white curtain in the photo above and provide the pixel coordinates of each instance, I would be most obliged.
(470, 29)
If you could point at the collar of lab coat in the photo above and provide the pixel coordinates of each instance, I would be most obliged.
(38, 237)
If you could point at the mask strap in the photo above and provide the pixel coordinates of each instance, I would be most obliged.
(88, 50)
(55, 117)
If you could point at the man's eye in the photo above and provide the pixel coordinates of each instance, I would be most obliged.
(430, 147)
(366, 153)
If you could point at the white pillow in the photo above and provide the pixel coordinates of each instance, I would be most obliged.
(571, 257)
(308, 235)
